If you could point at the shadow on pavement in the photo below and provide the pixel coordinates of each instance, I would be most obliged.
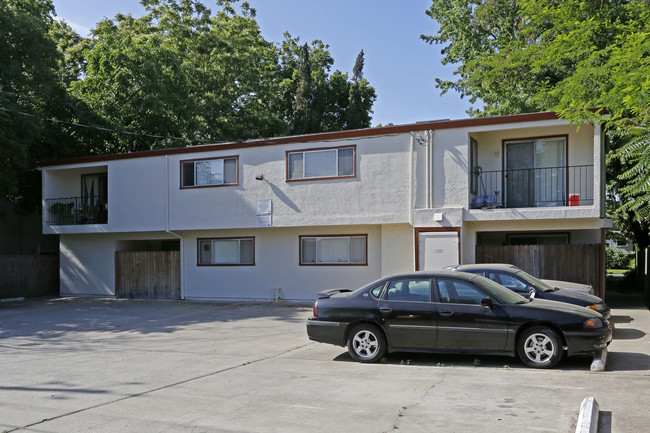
(627, 334)
(579, 363)
(627, 361)
(49, 318)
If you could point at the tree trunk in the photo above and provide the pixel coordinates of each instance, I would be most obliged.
(640, 266)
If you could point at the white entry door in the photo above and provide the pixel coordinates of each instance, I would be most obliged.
(437, 250)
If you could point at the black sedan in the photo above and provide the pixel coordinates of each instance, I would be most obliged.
(526, 285)
(453, 312)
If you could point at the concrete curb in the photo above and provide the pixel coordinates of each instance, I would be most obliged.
(598, 364)
(588, 418)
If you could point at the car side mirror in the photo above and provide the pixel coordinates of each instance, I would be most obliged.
(487, 302)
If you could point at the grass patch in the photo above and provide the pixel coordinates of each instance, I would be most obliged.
(617, 271)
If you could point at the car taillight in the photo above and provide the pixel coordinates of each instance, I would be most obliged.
(315, 314)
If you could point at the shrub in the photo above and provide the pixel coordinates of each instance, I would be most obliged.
(615, 259)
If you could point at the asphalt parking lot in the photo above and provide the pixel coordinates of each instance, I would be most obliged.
(72, 365)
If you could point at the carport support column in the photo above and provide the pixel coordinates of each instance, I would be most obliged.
(182, 247)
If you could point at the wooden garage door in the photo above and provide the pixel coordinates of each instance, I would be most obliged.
(148, 274)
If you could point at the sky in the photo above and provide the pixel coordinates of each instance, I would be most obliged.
(398, 64)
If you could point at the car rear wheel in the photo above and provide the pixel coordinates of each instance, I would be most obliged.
(366, 343)
(539, 347)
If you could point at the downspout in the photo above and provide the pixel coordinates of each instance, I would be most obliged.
(411, 188)
(427, 174)
(603, 169)
(429, 135)
(182, 247)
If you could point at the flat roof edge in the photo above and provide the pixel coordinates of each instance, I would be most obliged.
(323, 136)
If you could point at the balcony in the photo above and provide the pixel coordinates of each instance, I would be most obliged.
(77, 210)
(534, 187)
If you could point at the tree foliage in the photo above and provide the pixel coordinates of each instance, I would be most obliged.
(32, 91)
(192, 75)
(328, 102)
(179, 71)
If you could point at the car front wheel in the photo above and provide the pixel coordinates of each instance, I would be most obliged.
(366, 343)
(539, 347)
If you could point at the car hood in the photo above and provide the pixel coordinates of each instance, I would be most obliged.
(543, 304)
(574, 297)
(568, 285)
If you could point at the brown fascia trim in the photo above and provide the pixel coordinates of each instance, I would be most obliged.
(324, 136)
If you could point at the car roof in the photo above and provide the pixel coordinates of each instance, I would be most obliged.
(432, 274)
(477, 266)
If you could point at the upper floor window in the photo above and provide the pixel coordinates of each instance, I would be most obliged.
(209, 172)
(333, 250)
(227, 251)
(321, 163)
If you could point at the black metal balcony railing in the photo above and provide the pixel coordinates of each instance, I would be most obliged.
(77, 210)
(534, 187)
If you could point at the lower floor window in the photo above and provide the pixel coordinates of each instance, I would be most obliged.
(333, 250)
(227, 251)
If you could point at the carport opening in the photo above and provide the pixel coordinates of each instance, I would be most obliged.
(551, 255)
(148, 269)
(149, 245)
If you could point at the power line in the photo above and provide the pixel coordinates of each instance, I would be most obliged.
(101, 128)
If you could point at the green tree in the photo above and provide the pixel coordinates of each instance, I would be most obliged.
(180, 71)
(31, 92)
(331, 95)
(357, 70)
(183, 73)
(361, 97)
(306, 116)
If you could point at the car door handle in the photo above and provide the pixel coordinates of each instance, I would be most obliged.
(385, 310)
(446, 313)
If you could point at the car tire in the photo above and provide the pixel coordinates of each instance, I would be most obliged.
(539, 347)
(366, 343)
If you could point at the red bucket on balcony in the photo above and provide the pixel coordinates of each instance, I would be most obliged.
(574, 199)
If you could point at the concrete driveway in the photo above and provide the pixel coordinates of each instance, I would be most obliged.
(72, 365)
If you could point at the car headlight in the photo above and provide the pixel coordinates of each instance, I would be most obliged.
(593, 322)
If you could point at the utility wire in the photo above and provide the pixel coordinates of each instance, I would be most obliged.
(81, 125)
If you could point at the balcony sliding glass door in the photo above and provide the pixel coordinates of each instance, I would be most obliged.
(536, 172)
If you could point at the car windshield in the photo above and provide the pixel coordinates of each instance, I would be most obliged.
(498, 292)
(535, 282)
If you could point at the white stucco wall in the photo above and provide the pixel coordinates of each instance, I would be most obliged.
(145, 193)
(378, 194)
(277, 263)
(88, 262)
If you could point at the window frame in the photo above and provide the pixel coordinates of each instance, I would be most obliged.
(321, 149)
(534, 140)
(240, 238)
(412, 297)
(441, 300)
(473, 163)
(300, 250)
(194, 161)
